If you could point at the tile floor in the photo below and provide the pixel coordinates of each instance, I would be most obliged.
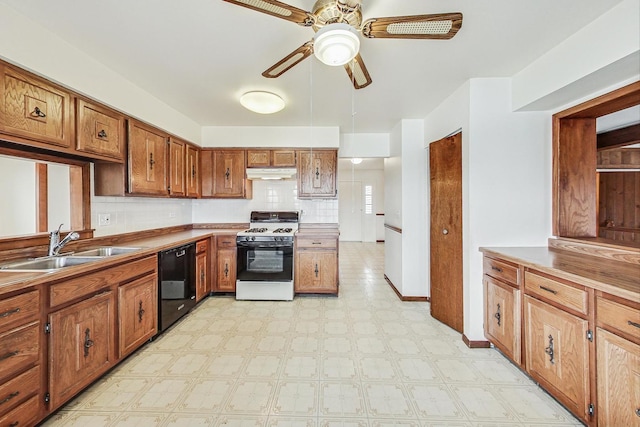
(363, 359)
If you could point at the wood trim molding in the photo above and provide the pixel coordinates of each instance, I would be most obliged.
(42, 197)
(619, 137)
(393, 228)
(598, 247)
(475, 344)
(403, 298)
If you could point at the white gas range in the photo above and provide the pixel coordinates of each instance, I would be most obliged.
(265, 256)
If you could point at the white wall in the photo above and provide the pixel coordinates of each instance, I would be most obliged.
(363, 177)
(59, 196)
(271, 136)
(393, 255)
(599, 55)
(364, 145)
(17, 186)
(30, 46)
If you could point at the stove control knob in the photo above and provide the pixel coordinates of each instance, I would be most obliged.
(253, 238)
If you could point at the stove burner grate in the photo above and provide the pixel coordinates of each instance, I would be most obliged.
(256, 230)
(283, 230)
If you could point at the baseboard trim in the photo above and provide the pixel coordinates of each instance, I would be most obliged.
(380, 241)
(403, 298)
(475, 344)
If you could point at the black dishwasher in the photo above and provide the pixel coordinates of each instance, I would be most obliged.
(176, 284)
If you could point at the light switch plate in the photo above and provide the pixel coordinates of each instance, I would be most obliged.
(104, 219)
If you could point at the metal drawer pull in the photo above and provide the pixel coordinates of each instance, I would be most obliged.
(549, 350)
(498, 269)
(14, 424)
(102, 134)
(88, 343)
(8, 398)
(140, 312)
(498, 315)
(8, 355)
(9, 312)
(630, 323)
(544, 288)
(316, 243)
(37, 112)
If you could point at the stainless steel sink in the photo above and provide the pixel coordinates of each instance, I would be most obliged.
(107, 251)
(49, 263)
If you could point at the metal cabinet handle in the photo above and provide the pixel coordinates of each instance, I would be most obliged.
(226, 270)
(498, 316)
(8, 398)
(37, 112)
(10, 312)
(151, 161)
(316, 270)
(227, 174)
(102, 134)
(638, 412)
(630, 323)
(193, 171)
(544, 288)
(202, 277)
(140, 311)
(317, 173)
(445, 231)
(498, 269)
(549, 350)
(9, 354)
(88, 343)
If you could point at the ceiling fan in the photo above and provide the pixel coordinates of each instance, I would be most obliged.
(337, 22)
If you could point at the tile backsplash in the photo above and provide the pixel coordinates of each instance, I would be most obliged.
(127, 214)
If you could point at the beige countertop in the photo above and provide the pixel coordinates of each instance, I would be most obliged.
(614, 277)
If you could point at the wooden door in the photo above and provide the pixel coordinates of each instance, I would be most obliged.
(176, 167)
(228, 174)
(317, 173)
(192, 172)
(201, 276)
(502, 317)
(138, 315)
(226, 270)
(445, 163)
(100, 131)
(316, 272)
(81, 346)
(618, 380)
(147, 160)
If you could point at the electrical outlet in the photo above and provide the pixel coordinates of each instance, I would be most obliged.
(104, 219)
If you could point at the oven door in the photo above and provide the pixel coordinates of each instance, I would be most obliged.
(264, 263)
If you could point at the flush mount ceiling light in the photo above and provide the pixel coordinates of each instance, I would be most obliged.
(336, 44)
(262, 102)
(356, 160)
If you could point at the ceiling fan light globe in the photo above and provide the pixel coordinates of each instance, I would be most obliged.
(262, 102)
(336, 44)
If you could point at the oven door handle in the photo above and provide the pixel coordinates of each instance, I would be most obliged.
(263, 246)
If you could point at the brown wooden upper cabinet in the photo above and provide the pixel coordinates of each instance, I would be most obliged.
(147, 160)
(100, 131)
(271, 158)
(176, 167)
(192, 171)
(223, 174)
(317, 173)
(34, 109)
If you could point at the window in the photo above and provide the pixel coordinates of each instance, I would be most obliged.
(368, 199)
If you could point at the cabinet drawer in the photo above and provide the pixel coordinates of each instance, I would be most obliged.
(16, 390)
(24, 415)
(84, 286)
(620, 317)
(321, 242)
(202, 246)
(500, 270)
(19, 348)
(19, 310)
(557, 292)
(226, 240)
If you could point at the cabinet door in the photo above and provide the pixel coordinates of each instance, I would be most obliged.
(502, 317)
(283, 158)
(226, 270)
(176, 167)
(258, 158)
(138, 313)
(316, 272)
(34, 109)
(81, 346)
(317, 174)
(147, 160)
(557, 353)
(202, 287)
(100, 131)
(618, 380)
(192, 171)
(228, 173)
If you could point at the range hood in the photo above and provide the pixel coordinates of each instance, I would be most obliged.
(270, 173)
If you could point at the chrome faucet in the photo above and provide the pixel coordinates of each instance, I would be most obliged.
(55, 244)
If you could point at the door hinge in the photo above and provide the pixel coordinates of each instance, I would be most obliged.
(590, 335)
(591, 409)
(47, 328)
(47, 398)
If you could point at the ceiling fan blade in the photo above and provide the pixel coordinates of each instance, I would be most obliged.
(279, 10)
(436, 26)
(358, 73)
(290, 60)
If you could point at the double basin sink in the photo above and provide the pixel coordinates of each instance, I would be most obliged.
(57, 262)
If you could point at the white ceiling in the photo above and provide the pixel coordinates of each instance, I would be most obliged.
(199, 56)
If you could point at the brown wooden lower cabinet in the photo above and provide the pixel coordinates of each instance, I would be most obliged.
(502, 321)
(226, 260)
(137, 313)
(202, 273)
(27, 414)
(316, 263)
(81, 345)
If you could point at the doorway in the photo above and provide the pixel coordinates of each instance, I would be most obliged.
(350, 211)
(445, 164)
